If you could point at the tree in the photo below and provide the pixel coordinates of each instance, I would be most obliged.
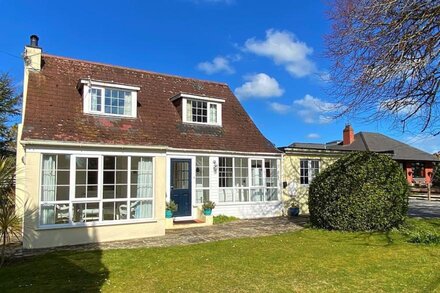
(10, 223)
(9, 108)
(385, 60)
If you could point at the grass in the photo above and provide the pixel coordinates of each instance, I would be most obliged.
(425, 232)
(221, 219)
(303, 261)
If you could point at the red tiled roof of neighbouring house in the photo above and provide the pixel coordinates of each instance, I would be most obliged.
(54, 110)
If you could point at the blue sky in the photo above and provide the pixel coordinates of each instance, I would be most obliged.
(271, 53)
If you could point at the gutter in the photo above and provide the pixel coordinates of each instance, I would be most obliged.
(134, 147)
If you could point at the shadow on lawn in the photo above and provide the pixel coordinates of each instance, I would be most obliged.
(62, 269)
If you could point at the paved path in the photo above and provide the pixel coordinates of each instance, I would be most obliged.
(424, 208)
(237, 229)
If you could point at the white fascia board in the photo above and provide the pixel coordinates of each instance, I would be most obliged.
(195, 97)
(108, 84)
(50, 143)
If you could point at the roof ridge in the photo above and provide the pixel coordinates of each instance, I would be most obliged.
(134, 69)
(364, 141)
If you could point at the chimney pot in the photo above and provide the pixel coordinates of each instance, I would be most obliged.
(34, 41)
(348, 135)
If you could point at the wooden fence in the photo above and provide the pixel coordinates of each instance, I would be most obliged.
(424, 193)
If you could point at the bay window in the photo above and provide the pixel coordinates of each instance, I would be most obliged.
(96, 188)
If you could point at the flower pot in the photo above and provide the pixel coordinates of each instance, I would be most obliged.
(207, 212)
(168, 214)
(293, 212)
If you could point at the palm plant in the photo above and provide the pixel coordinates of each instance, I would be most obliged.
(9, 221)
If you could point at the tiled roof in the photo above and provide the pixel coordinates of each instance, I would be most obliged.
(54, 110)
(375, 142)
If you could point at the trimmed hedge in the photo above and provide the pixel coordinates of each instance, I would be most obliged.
(362, 191)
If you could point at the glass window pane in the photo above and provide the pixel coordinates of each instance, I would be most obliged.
(62, 193)
(63, 162)
(109, 163)
(63, 177)
(141, 209)
(85, 212)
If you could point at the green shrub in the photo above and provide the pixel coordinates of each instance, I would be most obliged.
(362, 191)
(221, 219)
(424, 237)
(426, 231)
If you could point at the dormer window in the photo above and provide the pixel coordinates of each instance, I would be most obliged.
(200, 110)
(109, 99)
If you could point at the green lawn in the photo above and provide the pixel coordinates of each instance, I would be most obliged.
(308, 260)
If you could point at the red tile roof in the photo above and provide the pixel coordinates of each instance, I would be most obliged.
(54, 110)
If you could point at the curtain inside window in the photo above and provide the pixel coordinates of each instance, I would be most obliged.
(49, 190)
(127, 103)
(143, 209)
(189, 111)
(213, 113)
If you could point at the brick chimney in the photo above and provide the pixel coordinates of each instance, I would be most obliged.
(348, 135)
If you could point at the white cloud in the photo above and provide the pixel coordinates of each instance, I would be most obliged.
(315, 110)
(284, 49)
(280, 108)
(312, 110)
(218, 64)
(426, 142)
(259, 85)
(313, 136)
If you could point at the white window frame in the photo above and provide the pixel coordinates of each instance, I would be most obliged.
(72, 200)
(251, 186)
(202, 188)
(210, 101)
(310, 174)
(87, 97)
(208, 112)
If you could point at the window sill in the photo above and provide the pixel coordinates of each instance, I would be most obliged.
(95, 224)
(106, 115)
(202, 123)
(233, 203)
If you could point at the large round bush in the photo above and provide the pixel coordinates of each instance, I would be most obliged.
(362, 191)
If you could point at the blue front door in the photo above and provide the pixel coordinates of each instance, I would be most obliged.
(181, 186)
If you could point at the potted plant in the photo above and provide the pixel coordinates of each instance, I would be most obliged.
(292, 207)
(207, 207)
(170, 208)
(293, 211)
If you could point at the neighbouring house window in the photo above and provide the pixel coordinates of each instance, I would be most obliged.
(245, 179)
(105, 188)
(203, 112)
(202, 179)
(308, 170)
(226, 179)
(418, 170)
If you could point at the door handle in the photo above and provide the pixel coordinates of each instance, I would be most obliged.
(171, 187)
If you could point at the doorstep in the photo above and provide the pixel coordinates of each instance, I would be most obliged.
(202, 222)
